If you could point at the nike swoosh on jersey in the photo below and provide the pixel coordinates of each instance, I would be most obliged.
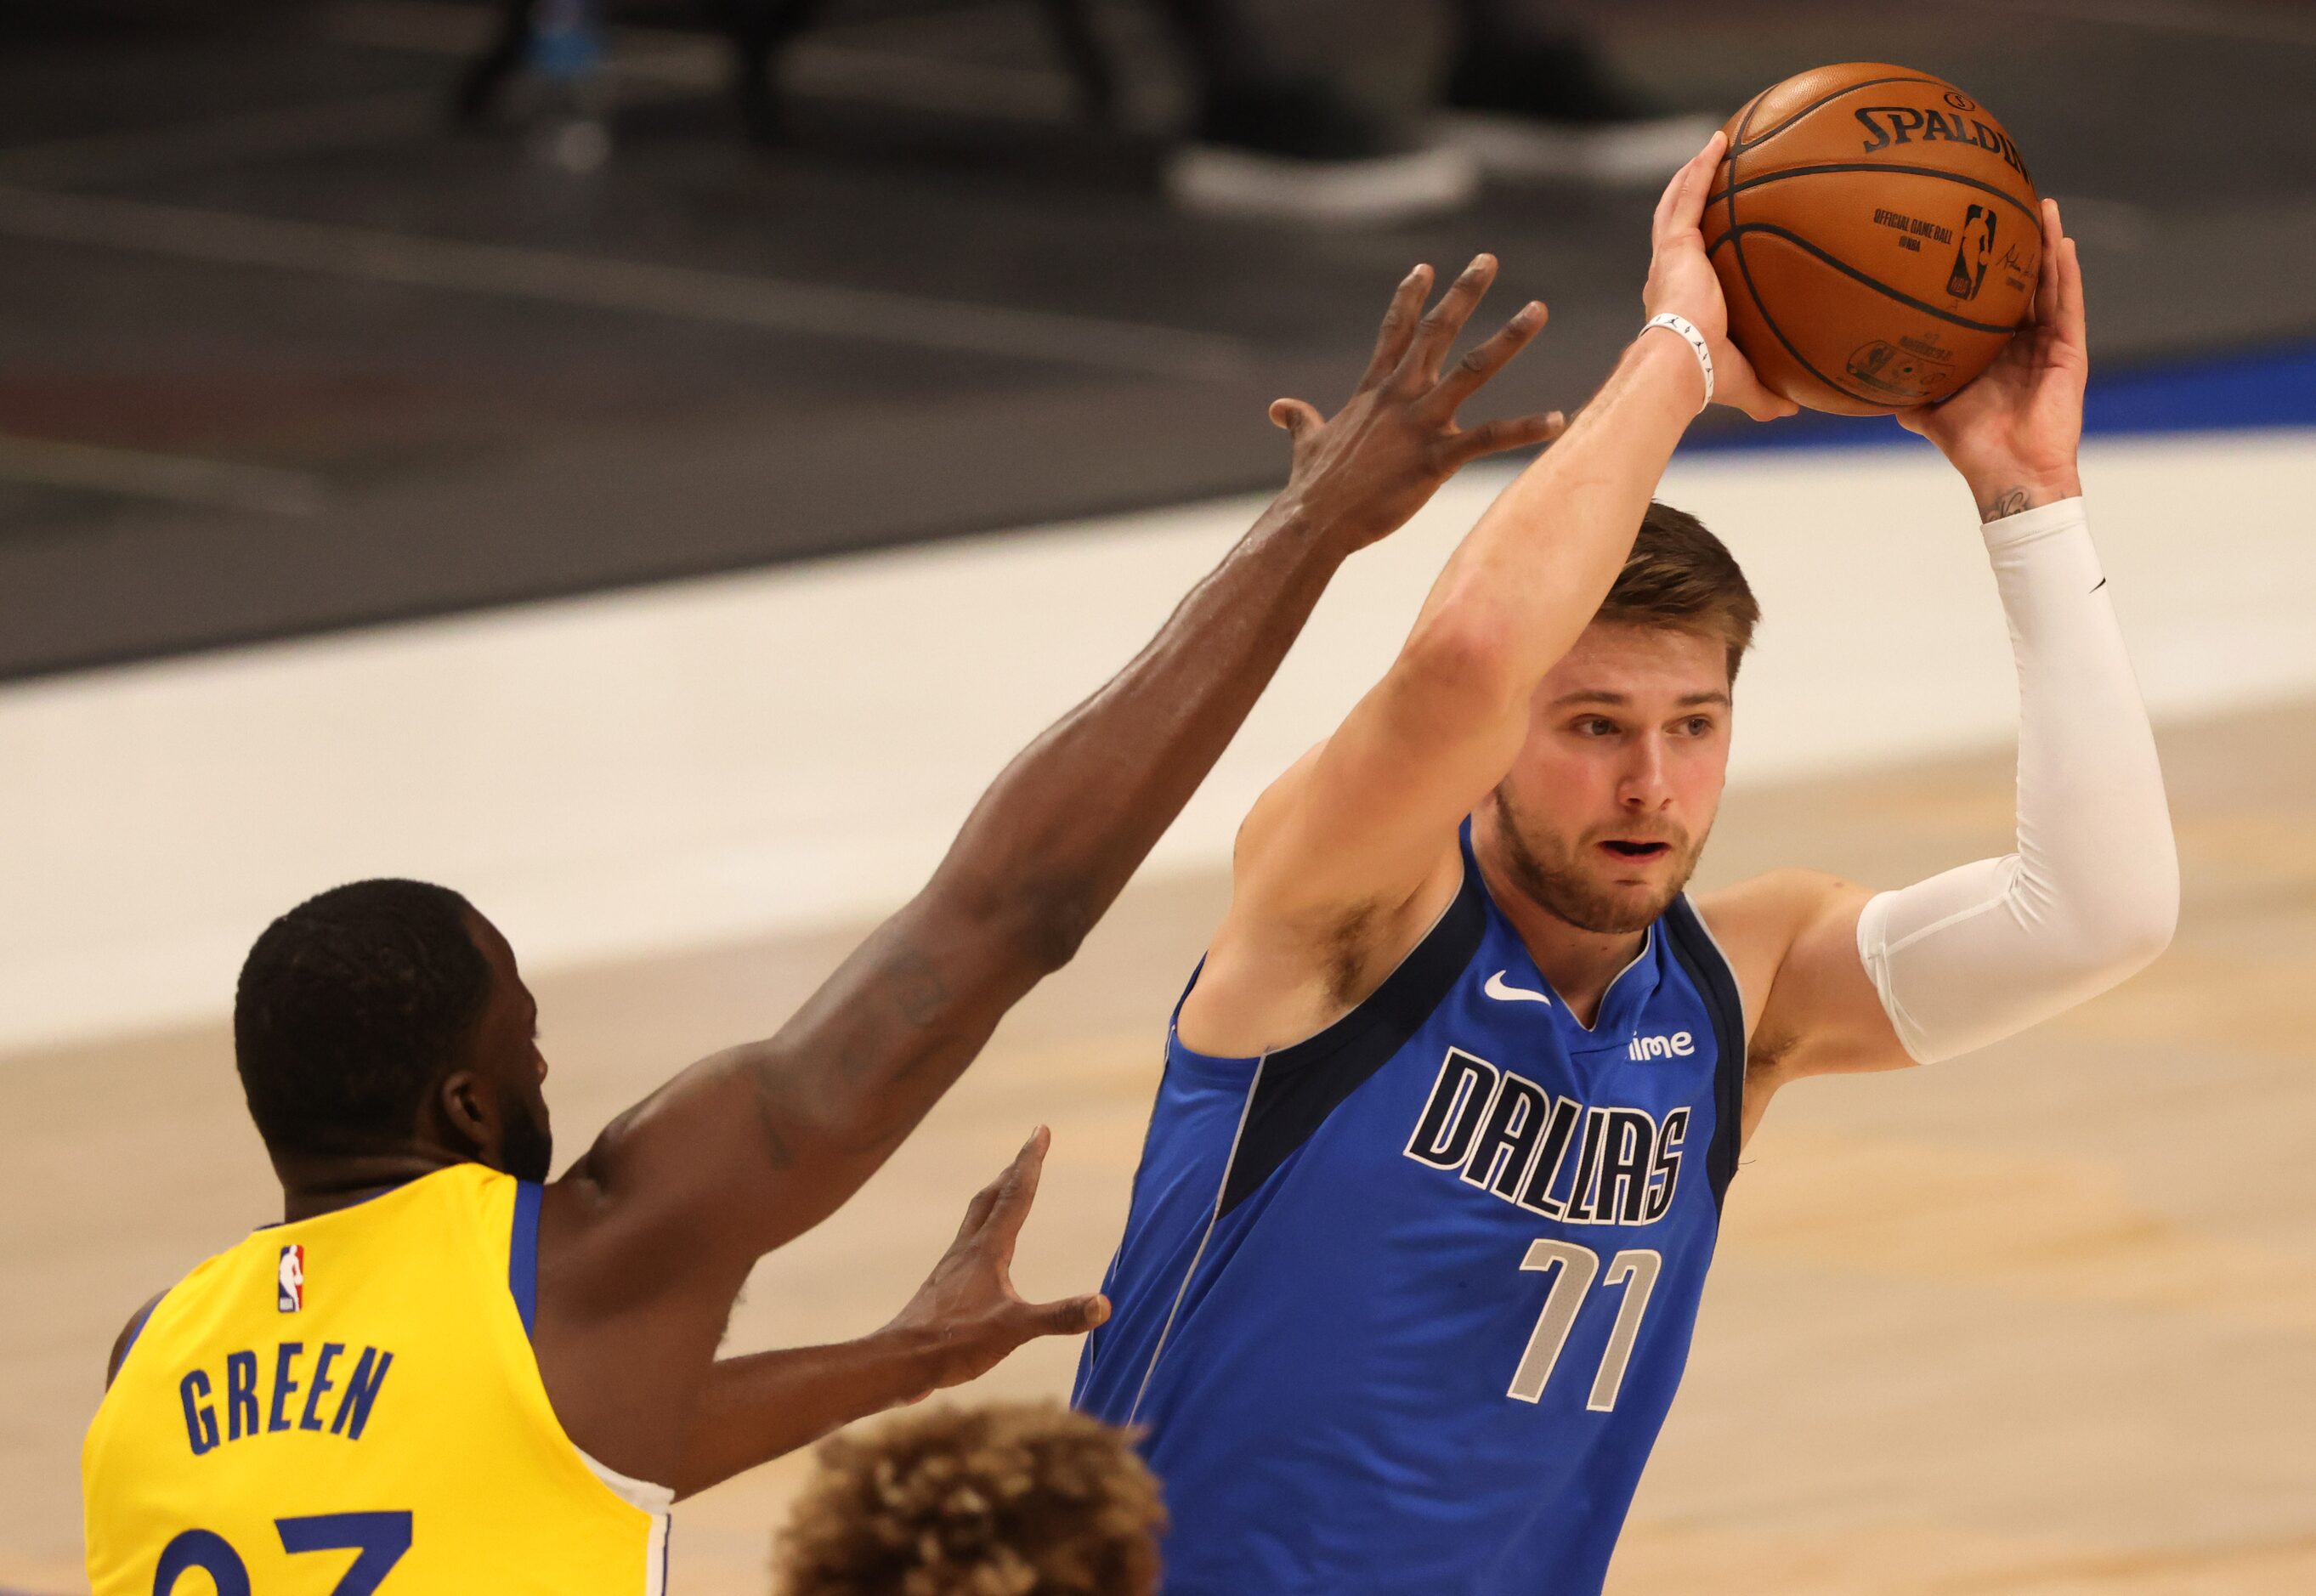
(1496, 989)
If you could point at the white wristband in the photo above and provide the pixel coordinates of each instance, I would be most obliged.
(1687, 330)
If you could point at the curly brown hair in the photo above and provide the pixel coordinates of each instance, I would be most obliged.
(1011, 1499)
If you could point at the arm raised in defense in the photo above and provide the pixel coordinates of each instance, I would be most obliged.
(644, 1242)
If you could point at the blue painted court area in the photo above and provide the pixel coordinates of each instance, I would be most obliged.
(2271, 387)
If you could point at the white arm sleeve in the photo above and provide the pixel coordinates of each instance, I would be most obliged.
(2092, 894)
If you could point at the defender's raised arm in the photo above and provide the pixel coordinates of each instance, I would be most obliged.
(652, 1232)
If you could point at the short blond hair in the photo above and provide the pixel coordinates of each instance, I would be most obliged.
(1678, 575)
(1013, 1498)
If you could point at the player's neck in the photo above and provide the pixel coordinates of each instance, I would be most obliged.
(313, 1185)
(1581, 964)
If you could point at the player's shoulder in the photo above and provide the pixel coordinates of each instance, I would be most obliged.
(1760, 904)
(1271, 806)
(1757, 921)
(128, 1336)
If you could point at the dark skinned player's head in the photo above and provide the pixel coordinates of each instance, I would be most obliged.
(386, 1019)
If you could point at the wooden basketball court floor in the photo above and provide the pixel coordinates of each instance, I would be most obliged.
(2039, 1321)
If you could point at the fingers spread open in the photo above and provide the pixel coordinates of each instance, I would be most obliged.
(976, 1212)
(1466, 376)
(1017, 1190)
(1294, 416)
(1518, 432)
(1436, 333)
(1398, 326)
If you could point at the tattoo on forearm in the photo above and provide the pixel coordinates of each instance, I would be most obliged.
(917, 1070)
(763, 1094)
(903, 1037)
(938, 1057)
(920, 994)
(2009, 502)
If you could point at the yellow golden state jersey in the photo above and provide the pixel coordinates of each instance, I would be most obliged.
(349, 1405)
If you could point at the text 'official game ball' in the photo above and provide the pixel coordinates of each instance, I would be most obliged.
(1876, 233)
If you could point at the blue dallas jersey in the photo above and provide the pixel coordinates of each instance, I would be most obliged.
(1403, 1305)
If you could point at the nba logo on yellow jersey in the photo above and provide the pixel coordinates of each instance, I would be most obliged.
(290, 1286)
(239, 1453)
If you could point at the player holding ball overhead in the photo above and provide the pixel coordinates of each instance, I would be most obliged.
(1876, 234)
(1451, 1107)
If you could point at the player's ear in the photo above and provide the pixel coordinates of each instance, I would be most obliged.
(470, 1114)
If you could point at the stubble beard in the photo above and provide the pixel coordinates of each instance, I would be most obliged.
(1549, 869)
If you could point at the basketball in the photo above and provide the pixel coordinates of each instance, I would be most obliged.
(1876, 233)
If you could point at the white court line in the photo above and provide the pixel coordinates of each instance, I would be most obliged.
(176, 479)
(768, 304)
(697, 762)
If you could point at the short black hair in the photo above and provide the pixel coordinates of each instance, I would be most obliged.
(350, 1008)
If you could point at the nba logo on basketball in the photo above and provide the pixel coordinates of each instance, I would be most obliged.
(1971, 255)
(290, 1292)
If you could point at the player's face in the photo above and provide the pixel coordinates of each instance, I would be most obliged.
(1604, 814)
(506, 1056)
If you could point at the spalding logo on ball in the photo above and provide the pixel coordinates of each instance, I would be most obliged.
(1876, 234)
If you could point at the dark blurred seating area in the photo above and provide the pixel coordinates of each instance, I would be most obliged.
(350, 310)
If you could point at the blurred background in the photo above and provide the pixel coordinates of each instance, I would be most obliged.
(648, 465)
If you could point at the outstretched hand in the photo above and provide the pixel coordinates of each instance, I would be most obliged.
(1682, 280)
(967, 1313)
(2013, 430)
(1363, 471)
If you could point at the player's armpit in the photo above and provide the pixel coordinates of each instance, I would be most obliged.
(1267, 983)
(1365, 817)
(1810, 1008)
(1327, 896)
